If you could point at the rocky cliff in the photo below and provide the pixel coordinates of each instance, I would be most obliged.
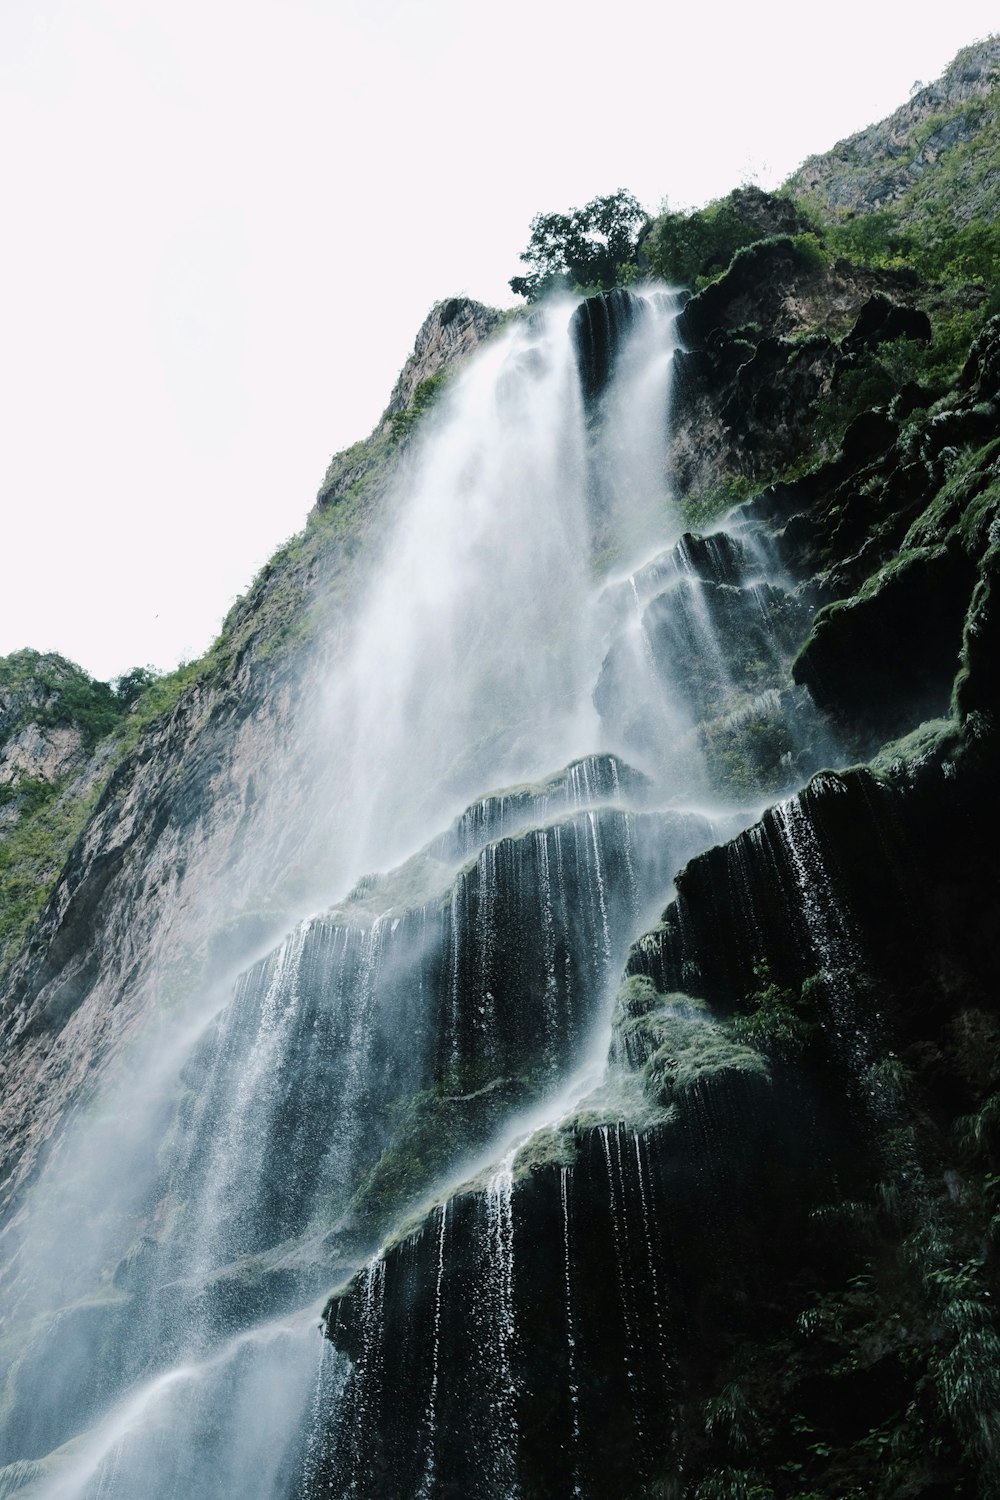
(164, 879)
(893, 163)
(754, 1252)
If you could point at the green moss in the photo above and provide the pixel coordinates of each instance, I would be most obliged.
(701, 508)
(551, 1147)
(750, 751)
(31, 857)
(686, 1049)
(913, 563)
(636, 997)
(933, 740)
(964, 507)
(431, 1132)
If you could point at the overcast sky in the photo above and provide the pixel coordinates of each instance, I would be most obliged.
(224, 223)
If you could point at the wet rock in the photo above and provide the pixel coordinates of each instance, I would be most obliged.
(881, 321)
(887, 658)
(597, 329)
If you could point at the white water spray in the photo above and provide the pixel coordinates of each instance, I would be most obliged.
(470, 666)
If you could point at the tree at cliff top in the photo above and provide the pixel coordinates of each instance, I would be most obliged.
(590, 248)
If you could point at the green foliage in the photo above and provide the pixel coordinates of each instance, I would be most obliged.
(425, 395)
(131, 685)
(939, 249)
(430, 1130)
(31, 856)
(57, 693)
(699, 510)
(692, 249)
(733, 1484)
(417, 1152)
(811, 250)
(730, 1420)
(157, 699)
(875, 238)
(978, 1134)
(966, 1372)
(860, 387)
(590, 248)
(751, 750)
(872, 377)
(52, 815)
(965, 506)
(945, 226)
(778, 1022)
(27, 793)
(637, 996)
(685, 1049)
(282, 607)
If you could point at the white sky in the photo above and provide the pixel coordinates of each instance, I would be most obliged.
(224, 221)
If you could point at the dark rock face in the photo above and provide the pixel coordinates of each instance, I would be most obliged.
(888, 659)
(598, 328)
(762, 345)
(902, 528)
(880, 321)
(760, 1255)
(450, 332)
(846, 943)
(496, 973)
(717, 1224)
(574, 1391)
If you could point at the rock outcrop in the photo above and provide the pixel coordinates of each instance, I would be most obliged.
(449, 333)
(883, 164)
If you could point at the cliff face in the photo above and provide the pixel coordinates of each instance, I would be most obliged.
(764, 348)
(165, 889)
(796, 1204)
(887, 164)
(699, 1205)
(452, 330)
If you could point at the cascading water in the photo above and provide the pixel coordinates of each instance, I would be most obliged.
(535, 608)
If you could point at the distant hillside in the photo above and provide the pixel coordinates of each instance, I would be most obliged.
(930, 154)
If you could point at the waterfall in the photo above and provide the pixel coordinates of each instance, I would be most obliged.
(549, 700)
(500, 1327)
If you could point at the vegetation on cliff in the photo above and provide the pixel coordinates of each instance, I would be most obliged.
(804, 1064)
(587, 249)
